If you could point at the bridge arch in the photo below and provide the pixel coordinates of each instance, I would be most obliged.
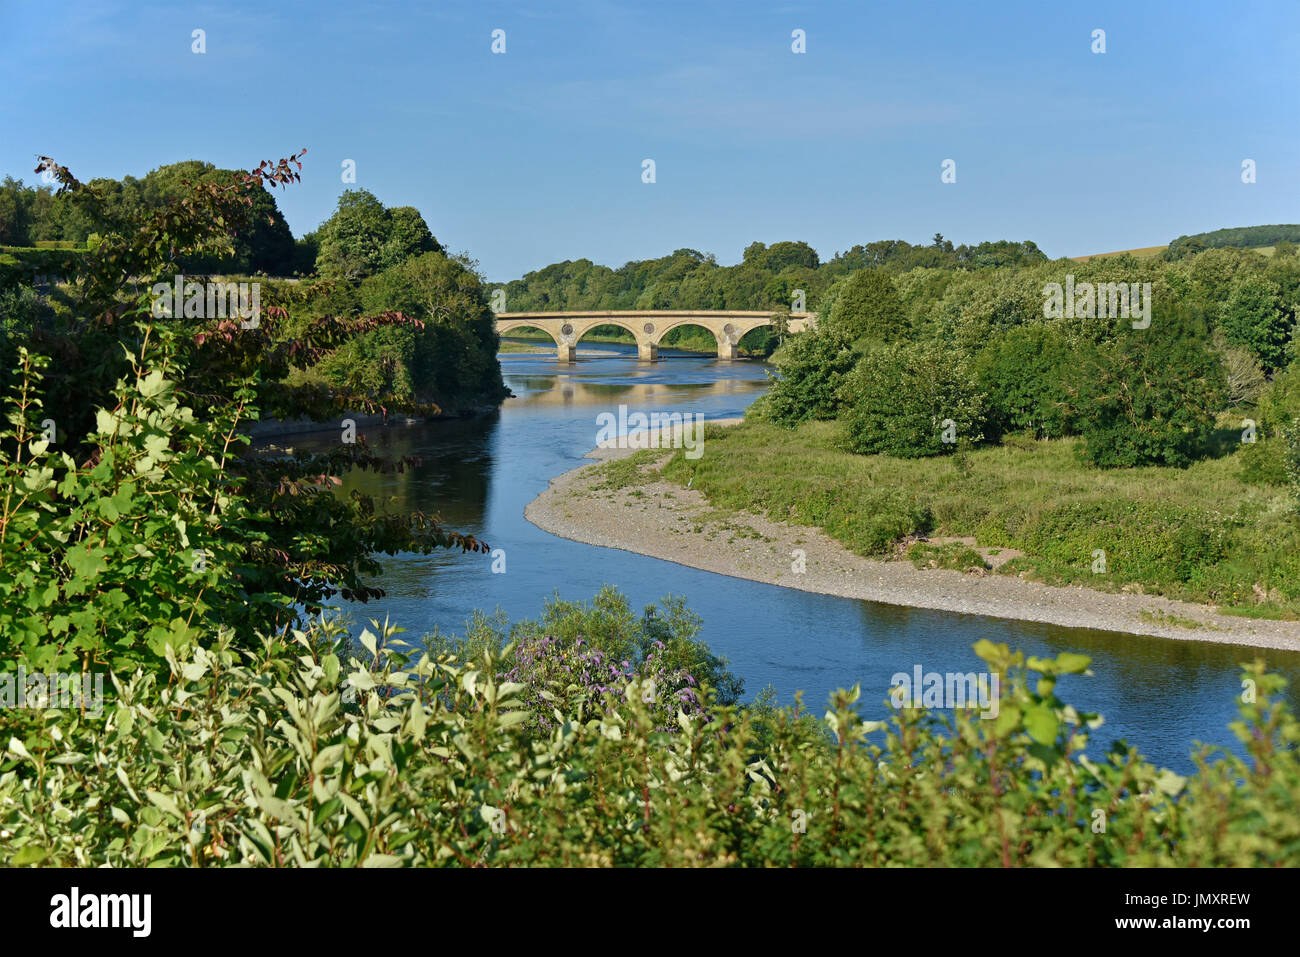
(504, 328)
(648, 327)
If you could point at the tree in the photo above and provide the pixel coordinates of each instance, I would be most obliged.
(811, 367)
(1149, 396)
(867, 308)
(1023, 371)
(783, 255)
(453, 356)
(363, 237)
(913, 401)
(1252, 318)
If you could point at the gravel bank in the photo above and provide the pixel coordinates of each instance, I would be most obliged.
(675, 524)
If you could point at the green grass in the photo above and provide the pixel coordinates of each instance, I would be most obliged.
(1168, 618)
(951, 555)
(1197, 534)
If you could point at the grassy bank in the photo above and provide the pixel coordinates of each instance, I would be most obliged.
(1197, 534)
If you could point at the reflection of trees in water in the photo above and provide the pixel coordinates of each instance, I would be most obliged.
(451, 480)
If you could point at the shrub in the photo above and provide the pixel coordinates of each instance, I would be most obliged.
(951, 555)
(899, 398)
(1149, 396)
(811, 368)
(1023, 372)
(292, 757)
(1141, 540)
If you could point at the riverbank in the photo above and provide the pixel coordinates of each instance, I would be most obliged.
(666, 521)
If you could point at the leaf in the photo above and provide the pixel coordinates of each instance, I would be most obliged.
(165, 804)
(1042, 724)
(1070, 663)
(152, 384)
(1008, 719)
(31, 854)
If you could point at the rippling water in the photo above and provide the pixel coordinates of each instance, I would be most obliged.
(1158, 693)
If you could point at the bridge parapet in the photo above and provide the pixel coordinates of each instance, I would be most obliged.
(649, 326)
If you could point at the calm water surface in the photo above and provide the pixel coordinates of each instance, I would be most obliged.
(1160, 694)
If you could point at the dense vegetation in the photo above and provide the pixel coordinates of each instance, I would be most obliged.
(143, 538)
(302, 754)
(1245, 237)
(765, 278)
(136, 513)
(1167, 440)
(366, 259)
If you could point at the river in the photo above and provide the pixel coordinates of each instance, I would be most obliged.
(1160, 694)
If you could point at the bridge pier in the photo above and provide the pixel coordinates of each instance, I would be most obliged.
(727, 350)
(647, 351)
(566, 353)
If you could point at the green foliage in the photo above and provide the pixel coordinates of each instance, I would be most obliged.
(140, 547)
(41, 217)
(1243, 236)
(125, 466)
(898, 399)
(1291, 458)
(865, 307)
(1149, 396)
(1024, 372)
(452, 358)
(364, 237)
(765, 279)
(1252, 318)
(1279, 403)
(950, 555)
(1161, 542)
(290, 756)
(811, 368)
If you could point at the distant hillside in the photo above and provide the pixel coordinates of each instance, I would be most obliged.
(1142, 253)
(1245, 237)
(1262, 239)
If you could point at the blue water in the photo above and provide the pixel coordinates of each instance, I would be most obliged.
(1160, 694)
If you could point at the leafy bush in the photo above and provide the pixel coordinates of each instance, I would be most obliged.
(1149, 396)
(1252, 317)
(593, 645)
(1023, 372)
(1291, 458)
(290, 757)
(1141, 540)
(898, 399)
(140, 547)
(811, 368)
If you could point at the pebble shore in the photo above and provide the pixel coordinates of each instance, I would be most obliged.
(677, 524)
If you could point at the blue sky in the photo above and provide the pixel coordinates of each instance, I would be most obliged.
(535, 156)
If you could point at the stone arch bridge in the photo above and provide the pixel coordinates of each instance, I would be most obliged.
(648, 326)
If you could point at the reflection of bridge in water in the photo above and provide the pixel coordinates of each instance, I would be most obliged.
(553, 390)
(649, 326)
